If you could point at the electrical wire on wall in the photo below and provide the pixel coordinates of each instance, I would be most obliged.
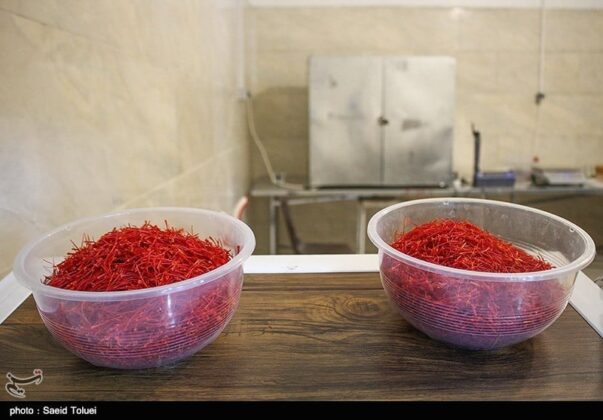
(539, 97)
(262, 149)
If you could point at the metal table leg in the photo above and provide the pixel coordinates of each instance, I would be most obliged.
(361, 226)
(272, 228)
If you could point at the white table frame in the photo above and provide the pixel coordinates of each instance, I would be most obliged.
(587, 297)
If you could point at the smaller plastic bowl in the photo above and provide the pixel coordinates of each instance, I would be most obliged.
(478, 310)
(139, 328)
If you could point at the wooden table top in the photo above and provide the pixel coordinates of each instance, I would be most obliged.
(319, 336)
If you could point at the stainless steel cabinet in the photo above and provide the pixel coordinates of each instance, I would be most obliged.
(381, 121)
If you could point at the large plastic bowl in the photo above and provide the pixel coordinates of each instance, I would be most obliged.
(478, 310)
(146, 327)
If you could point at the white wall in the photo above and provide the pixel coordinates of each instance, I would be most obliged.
(115, 104)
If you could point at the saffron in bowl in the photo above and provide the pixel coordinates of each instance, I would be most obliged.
(139, 296)
(478, 274)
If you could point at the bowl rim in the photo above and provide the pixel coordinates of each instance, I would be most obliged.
(36, 285)
(574, 266)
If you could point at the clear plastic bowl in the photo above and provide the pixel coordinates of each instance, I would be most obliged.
(478, 310)
(140, 328)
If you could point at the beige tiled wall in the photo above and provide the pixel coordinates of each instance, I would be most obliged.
(497, 52)
(115, 104)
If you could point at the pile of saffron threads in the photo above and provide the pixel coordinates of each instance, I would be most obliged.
(142, 332)
(461, 244)
(131, 258)
(476, 314)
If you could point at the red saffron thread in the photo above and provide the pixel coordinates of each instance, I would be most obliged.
(461, 244)
(142, 332)
(133, 258)
(478, 314)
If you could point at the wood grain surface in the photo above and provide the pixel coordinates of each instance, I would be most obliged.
(319, 337)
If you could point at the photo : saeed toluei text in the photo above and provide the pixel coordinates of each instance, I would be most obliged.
(60, 410)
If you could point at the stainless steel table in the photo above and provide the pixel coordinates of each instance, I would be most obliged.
(371, 197)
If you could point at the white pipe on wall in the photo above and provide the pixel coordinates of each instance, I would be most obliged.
(240, 47)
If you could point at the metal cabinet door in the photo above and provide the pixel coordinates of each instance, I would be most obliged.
(419, 108)
(345, 105)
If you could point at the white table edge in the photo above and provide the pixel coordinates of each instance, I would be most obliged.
(587, 297)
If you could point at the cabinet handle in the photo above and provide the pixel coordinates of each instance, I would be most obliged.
(383, 121)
